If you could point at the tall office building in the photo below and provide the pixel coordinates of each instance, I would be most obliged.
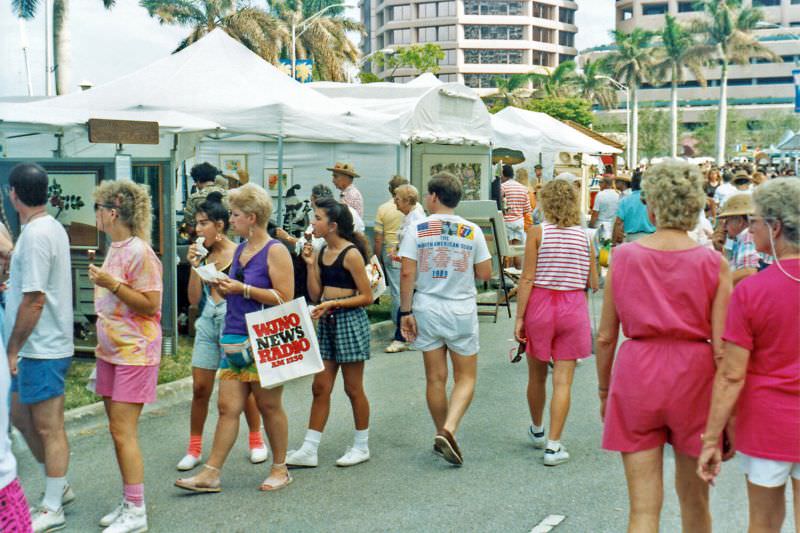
(482, 39)
(752, 89)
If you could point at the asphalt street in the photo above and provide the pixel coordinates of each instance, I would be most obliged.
(503, 485)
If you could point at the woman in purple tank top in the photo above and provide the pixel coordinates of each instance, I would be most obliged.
(261, 275)
(670, 296)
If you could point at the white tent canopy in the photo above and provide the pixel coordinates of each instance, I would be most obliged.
(533, 133)
(428, 110)
(220, 81)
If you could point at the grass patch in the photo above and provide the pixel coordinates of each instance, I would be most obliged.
(380, 311)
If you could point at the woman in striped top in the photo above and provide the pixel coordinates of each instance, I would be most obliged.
(552, 310)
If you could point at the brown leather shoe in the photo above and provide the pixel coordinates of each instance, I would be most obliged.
(449, 447)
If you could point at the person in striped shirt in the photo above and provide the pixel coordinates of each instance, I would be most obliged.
(516, 205)
(553, 312)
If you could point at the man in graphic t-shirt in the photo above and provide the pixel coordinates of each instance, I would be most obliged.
(38, 336)
(442, 256)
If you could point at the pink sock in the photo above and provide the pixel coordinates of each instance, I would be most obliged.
(255, 439)
(195, 445)
(134, 493)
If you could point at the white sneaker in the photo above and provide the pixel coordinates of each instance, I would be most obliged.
(259, 455)
(111, 517)
(188, 462)
(302, 457)
(132, 519)
(555, 458)
(68, 496)
(353, 456)
(396, 347)
(538, 439)
(45, 520)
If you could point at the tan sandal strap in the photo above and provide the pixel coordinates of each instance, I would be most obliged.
(214, 468)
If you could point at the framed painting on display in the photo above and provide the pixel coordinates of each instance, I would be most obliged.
(271, 180)
(229, 164)
(70, 200)
(467, 168)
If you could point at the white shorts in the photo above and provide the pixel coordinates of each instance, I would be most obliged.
(450, 323)
(767, 472)
(516, 230)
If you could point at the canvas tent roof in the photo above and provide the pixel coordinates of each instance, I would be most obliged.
(428, 110)
(791, 144)
(534, 133)
(218, 80)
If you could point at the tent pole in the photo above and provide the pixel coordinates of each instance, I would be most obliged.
(169, 259)
(280, 182)
(398, 154)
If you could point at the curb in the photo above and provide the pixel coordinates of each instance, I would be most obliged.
(89, 418)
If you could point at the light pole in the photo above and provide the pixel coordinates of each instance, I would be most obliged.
(363, 60)
(302, 23)
(623, 87)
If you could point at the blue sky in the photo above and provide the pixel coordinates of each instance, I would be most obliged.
(108, 44)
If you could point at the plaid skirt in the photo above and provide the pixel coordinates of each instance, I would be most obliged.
(344, 336)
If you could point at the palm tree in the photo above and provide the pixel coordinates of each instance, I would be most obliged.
(594, 86)
(678, 53)
(630, 63)
(324, 38)
(511, 91)
(558, 83)
(728, 27)
(253, 27)
(62, 44)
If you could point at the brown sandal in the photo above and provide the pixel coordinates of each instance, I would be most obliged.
(192, 484)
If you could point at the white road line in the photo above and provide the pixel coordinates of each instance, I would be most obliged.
(546, 525)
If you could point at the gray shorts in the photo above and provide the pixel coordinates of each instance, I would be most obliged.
(207, 350)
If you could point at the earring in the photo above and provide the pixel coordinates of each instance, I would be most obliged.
(218, 238)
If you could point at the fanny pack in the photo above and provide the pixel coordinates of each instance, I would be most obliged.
(237, 350)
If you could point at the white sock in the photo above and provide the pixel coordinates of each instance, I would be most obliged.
(53, 492)
(44, 469)
(361, 438)
(537, 429)
(554, 445)
(311, 442)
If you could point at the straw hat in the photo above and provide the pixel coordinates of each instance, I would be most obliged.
(623, 177)
(344, 168)
(738, 205)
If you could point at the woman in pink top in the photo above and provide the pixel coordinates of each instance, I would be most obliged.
(127, 300)
(760, 369)
(552, 311)
(670, 296)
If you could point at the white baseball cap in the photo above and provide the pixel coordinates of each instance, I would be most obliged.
(568, 176)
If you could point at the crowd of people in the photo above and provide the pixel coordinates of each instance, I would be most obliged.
(702, 283)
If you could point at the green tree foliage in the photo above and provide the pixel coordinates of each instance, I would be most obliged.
(594, 85)
(654, 133)
(706, 134)
(368, 77)
(511, 91)
(772, 126)
(420, 57)
(559, 82)
(564, 108)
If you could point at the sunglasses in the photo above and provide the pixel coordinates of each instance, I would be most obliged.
(97, 207)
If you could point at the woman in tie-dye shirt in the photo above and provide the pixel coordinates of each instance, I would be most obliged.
(128, 305)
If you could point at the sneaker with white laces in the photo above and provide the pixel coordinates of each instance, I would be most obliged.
(538, 439)
(44, 519)
(352, 457)
(303, 457)
(555, 457)
(188, 462)
(132, 519)
(396, 347)
(111, 517)
(259, 454)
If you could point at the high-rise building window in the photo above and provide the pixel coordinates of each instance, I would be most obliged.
(448, 78)
(566, 15)
(541, 58)
(626, 13)
(486, 32)
(489, 7)
(566, 38)
(447, 9)
(427, 35)
(400, 37)
(543, 11)
(542, 35)
(427, 10)
(492, 57)
(563, 58)
(449, 58)
(654, 9)
(766, 3)
(688, 7)
(483, 81)
(400, 13)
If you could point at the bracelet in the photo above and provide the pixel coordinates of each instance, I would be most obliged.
(401, 314)
(116, 287)
(602, 389)
(247, 291)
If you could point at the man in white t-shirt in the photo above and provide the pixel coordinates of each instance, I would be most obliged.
(725, 190)
(38, 332)
(604, 212)
(442, 256)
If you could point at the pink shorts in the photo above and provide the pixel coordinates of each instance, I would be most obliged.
(557, 325)
(127, 383)
(660, 393)
(15, 516)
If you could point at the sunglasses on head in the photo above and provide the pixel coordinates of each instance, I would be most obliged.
(105, 206)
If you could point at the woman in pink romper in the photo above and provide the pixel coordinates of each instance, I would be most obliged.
(669, 295)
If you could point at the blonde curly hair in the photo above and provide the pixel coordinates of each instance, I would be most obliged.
(779, 199)
(132, 201)
(673, 190)
(559, 201)
(252, 199)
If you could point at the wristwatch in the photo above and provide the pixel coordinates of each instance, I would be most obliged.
(401, 314)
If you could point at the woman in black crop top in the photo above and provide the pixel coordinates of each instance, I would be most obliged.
(337, 278)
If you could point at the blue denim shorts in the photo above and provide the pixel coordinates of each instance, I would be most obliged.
(38, 380)
(207, 350)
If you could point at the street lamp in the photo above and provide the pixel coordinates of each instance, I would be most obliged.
(305, 22)
(384, 51)
(623, 87)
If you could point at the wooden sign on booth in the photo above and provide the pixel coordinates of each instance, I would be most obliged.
(122, 131)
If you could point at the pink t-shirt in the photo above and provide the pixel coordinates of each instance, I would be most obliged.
(125, 337)
(764, 318)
